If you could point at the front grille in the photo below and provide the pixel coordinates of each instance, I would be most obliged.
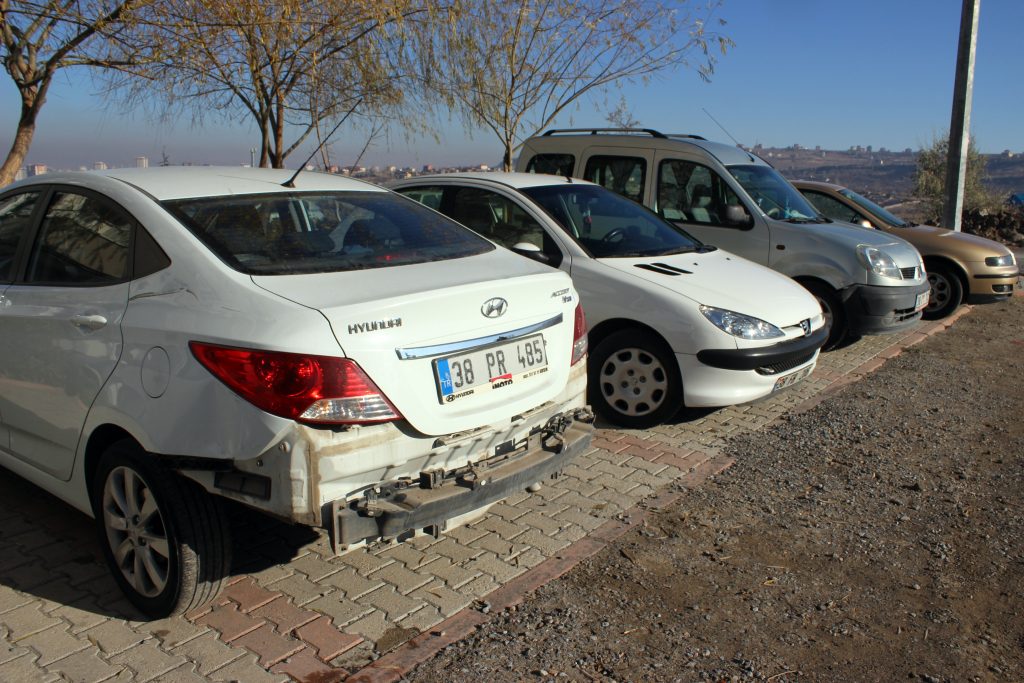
(909, 273)
(902, 314)
(776, 368)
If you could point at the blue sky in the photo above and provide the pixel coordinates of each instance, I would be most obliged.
(813, 72)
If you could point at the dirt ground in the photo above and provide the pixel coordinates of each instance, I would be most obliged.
(875, 537)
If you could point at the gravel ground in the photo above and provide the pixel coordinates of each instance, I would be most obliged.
(874, 537)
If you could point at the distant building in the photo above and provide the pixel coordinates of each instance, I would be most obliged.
(141, 162)
(99, 166)
(35, 169)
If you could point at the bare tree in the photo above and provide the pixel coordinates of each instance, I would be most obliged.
(512, 66)
(288, 67)
(41, 38)
(622, 116)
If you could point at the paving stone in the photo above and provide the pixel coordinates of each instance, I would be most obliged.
(148, 661)
(113, 637)
(412, 558)
(506, 511)
(621, 486)
(315, 567)
(504, 528)
(13, 557)
(82, 614)
(371, 627)
(529, 558)
(9, 651)
(544, 523)
(403, 580)
(421, 620)
(26, 620)
(11, 599)
(186, 673)
(328, 640)
(464, 534)
(246, 669)
(305, 666)
(248, 594)
(285, 615)
(498, 545)
(352, 583)
(53, 644)
(545, 544)
(342, 610)
(300, 589)
(455, 551)
(581, 519)
(230, 622)
(492, 565)
(571, 533)
(390, 601)
(268, 575)
(446, 600)
(365, 562)
(208, 651)
(270, 646)
(27, 577)
(480, 586)
(84, 667)
(455, 575)
(25, 669)
(173, 631)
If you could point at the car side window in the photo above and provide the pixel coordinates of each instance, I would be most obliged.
(81, 241)
(833, 208)
(624, 175)
(427, 196)
(692, 193)
(553, 164)
(15, 220)
(499, 219)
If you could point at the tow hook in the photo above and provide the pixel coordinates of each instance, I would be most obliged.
(552, 435)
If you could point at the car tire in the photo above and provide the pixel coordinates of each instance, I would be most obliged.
(835, 314)
(164, 537)
(634, 380)
(946, 295)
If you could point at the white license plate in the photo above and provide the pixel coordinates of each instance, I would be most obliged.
(922, 301)
(490, 369)
(791, 379)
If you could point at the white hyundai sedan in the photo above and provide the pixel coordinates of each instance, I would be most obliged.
(673, 322)
(317, 348)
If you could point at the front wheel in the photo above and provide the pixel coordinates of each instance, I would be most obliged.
(633, 379)
(947, 293)
(832, 308)
(163, 536)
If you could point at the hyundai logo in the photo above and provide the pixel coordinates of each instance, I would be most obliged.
(805, 325)
(494, 308)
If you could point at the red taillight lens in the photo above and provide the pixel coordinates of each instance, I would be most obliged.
(579, 335)
(317, 389)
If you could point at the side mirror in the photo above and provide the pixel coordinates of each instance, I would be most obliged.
(736, 215)
(531, 251)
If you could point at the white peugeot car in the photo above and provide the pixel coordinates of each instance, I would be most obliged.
(673, 322)
(320, 349)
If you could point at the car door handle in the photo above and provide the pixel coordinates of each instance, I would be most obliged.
(90, 322)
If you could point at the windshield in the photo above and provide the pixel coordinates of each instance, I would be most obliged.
(289, 233)
(871, 207)
(774, 195)
(609, 225)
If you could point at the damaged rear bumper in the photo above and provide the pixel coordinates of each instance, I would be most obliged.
(400, 508)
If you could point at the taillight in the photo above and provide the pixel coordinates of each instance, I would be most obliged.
(579, 335)
(316, 389)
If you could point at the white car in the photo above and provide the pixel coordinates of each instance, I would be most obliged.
(317, 348)
(673, 322)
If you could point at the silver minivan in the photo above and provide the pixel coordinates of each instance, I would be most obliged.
(867, 282)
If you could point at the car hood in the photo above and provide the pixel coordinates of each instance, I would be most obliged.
(965, 245)
(721, 279)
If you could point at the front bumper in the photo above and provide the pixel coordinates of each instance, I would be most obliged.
(871, 309)
(401, 507)
(776, 358)
(990, 287)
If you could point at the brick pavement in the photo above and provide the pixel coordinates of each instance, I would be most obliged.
(293, 611)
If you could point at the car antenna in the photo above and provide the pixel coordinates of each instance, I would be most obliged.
(291, 181)
(722, 127)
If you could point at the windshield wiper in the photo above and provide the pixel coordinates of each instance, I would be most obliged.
(674, 250)
(802, 219)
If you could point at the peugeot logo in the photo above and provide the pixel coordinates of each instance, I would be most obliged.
(805, 325)
(494, 308)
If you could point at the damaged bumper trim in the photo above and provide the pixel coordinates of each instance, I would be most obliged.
(415, 507)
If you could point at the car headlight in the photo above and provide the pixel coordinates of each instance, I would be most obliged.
(739, 325)
(1004, 260)
(878, 262)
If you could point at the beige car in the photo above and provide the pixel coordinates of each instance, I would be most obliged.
(961, 267)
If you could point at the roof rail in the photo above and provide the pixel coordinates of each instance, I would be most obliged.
(594, 131)
(691, 136)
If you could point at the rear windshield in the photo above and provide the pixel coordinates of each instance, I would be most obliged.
(289, 233)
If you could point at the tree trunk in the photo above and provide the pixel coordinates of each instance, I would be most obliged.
(506, 160)
(22, 140)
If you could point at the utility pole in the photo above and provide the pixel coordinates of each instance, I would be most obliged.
(960, 121)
